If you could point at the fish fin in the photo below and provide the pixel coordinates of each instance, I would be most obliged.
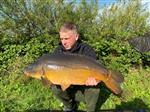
(46, 82)
(117, 76)
(64, 86)
(113, 82)
(113, 86)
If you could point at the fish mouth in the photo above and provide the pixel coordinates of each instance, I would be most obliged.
(26, 75)
(32, 74)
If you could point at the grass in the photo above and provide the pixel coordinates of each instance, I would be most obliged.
(20, 94)
(136, 93)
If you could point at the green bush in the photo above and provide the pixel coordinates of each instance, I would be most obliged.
(31, 32)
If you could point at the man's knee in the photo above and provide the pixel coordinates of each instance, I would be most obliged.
(56, 90)
(91, 98)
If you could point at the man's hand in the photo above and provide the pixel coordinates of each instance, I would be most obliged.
(91, 81)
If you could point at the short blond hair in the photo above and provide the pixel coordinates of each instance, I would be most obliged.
(68, 27)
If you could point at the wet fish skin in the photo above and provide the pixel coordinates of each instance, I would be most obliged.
(73, 69)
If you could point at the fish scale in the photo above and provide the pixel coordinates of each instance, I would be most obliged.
(73, 69)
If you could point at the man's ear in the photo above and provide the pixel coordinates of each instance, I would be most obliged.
(77, 36)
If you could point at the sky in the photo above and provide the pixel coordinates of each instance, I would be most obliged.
(102, 2)
(108, 2)
(147, 3)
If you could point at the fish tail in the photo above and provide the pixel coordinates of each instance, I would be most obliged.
(113, 82)
(117, 76)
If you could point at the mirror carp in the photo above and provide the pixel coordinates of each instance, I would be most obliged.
(73, 69)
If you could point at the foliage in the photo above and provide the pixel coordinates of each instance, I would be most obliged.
(116, 54)
(28, 19)
(35, 48)
(32, 18)
(20, 94)
(31, 29)
(124, 20)
(24, 95)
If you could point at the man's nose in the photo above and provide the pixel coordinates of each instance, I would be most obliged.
(64, 42)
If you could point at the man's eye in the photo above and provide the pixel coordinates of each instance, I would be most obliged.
(64, 38)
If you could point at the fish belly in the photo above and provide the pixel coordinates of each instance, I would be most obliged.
(68, 76)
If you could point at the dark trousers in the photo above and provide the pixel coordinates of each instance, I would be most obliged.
(93, 97)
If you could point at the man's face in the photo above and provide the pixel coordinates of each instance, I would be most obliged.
(68, 39)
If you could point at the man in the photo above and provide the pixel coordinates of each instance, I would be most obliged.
(70, 43)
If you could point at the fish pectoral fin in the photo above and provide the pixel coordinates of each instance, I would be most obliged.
(64, 86)
(46, 82)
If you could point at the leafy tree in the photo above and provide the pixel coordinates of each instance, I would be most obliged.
(31, 18)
